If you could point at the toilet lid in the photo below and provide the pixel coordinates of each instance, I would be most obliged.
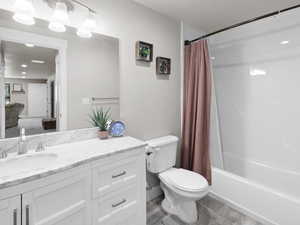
(184, 180)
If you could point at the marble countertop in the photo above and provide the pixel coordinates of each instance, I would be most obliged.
(67, 156)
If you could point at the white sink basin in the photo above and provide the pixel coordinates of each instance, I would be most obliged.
(26, 163)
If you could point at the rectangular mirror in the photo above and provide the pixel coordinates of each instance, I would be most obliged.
(52, 81)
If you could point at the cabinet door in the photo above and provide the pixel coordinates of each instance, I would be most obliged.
(64, 203)
(10, 211)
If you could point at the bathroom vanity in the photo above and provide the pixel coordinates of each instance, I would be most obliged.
(80, 183)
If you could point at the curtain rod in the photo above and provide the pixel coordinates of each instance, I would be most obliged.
(187, 42)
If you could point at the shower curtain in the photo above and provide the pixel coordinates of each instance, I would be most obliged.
(196, 109)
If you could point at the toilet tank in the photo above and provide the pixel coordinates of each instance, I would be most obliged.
(161, 153)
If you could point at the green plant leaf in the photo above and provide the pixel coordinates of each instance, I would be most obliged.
(100, 118)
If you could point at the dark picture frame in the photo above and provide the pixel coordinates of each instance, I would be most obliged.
(163, 66)
(144, 51)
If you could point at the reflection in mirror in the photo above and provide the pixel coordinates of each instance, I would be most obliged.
(29, 79)
(51, 81)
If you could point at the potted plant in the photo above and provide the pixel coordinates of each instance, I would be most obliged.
(100, 118)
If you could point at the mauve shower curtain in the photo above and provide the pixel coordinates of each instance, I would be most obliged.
(196, 109)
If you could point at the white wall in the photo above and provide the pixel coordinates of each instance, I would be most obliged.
(97, 76)
(150, 106)
(190, 32)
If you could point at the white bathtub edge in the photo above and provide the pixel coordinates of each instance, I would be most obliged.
(240, 208)
(255, 200)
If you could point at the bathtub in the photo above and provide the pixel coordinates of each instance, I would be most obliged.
(267, 204)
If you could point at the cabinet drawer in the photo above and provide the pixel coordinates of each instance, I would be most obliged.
(118, 208)
(112, 177)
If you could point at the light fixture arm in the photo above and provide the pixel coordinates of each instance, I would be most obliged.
(83, 5)
(70, 4)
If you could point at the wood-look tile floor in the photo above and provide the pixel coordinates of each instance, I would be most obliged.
(211, 212)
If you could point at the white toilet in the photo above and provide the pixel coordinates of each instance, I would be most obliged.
(182, 188)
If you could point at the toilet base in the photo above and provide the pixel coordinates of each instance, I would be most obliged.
(181, 207)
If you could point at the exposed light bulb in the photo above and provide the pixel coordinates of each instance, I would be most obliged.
(84, 32)
(59, 18)
(24, 12)
(88, 25)
(24, 65)
(90, 21)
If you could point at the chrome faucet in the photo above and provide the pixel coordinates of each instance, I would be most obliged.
(22, 145)
(40, 147)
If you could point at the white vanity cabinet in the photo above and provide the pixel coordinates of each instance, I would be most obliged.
(119, 191)
(107, 191)
(10, 211)
(66, 202)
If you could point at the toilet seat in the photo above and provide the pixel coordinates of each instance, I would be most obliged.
(184, 180)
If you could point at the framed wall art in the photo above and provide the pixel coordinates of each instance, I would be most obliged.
(144, 51)
(163, 66)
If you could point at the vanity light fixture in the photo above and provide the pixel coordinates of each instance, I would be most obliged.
(38, 61)
(59, 17)
(24, 12)
(88, 26)
(29, 45)
(24, 65)
(90, 21)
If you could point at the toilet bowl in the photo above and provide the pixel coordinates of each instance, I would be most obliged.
(182, 188)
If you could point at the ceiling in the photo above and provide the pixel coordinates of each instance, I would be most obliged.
(211, 15)
(16, 55)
